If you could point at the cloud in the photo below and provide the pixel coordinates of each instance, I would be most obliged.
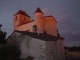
(1, 18)
(46, 10)
(72, 43)
(68, 24)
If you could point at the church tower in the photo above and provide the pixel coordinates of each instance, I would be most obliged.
(20, 18)
(39, 20)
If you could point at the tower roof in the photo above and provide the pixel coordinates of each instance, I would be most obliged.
(38, 10)
(22, 12)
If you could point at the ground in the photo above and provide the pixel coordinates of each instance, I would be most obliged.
(76, 55)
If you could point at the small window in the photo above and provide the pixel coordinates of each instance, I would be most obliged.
(24, 18)
(16, 17)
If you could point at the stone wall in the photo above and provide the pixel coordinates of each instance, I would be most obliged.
(23, 19)
(51, 50)
(47, 24)
(19, 20)
(32, 47)
(16, 22)
(28, 46)
(60, 49)
(39, 21)
(50, 26)
(13, 38)
(25, 27)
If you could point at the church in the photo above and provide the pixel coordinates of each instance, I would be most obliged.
(38, 38)
(43, 23)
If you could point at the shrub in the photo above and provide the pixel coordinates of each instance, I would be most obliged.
(9, 52)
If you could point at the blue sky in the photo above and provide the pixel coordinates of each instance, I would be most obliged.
(66, 12)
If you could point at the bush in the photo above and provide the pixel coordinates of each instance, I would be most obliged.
(9, 52)
(30, 58)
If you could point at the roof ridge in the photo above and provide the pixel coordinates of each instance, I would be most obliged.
(50, 16)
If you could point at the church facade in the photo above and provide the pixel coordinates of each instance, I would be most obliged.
(43, 23)
(39, 37)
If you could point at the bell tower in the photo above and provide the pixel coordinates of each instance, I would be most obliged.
(39, 20)
(20, 18)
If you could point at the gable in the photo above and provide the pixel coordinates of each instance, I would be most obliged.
(50, 18)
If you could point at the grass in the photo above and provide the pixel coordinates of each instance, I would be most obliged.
(75, 54)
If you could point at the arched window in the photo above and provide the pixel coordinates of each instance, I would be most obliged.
(45, 32)
(35, 29)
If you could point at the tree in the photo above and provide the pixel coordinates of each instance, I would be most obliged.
(74, 48)
(9, 52)
(2, 36)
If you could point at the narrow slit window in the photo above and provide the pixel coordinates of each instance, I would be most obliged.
(16, 17)
(24, 18)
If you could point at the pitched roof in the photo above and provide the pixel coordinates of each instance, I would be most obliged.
(51, 16)
(38, 10)
(26, 23)
(22, 12)
(41, 36)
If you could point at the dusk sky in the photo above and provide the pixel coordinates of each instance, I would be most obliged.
(66, 13)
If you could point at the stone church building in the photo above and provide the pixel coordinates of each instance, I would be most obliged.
(38, 38)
